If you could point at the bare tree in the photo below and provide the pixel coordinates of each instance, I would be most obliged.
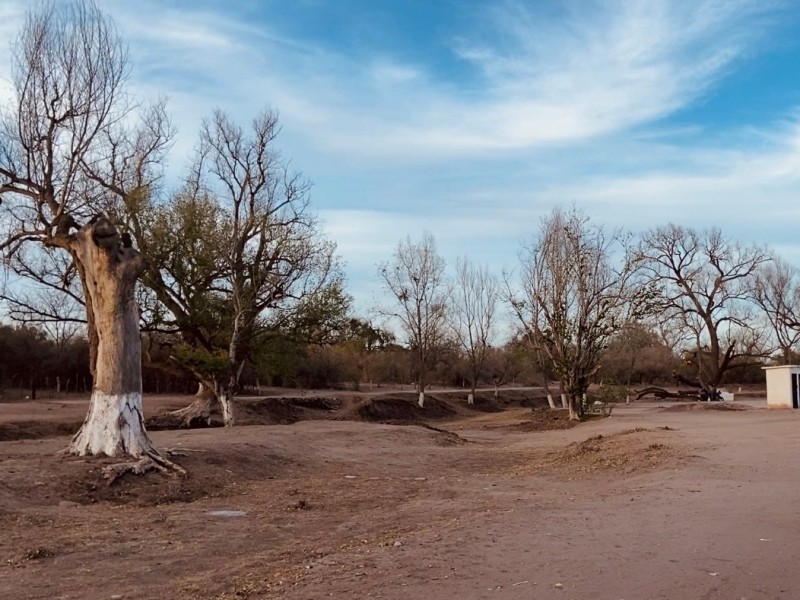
(776, 290)
(473, 308)
(528, 313)
(237, 242)
(275, 251)
(416, 280)
(69, 70)
(574, 296)
(706, 284)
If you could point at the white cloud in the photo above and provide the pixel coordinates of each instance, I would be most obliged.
(601, 69)
(538, 80)
(544, 119)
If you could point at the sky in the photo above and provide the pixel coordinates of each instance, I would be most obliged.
(473, 119)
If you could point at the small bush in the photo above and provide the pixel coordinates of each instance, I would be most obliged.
(602, 400)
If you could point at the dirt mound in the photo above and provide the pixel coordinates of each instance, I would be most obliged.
(397, 407)
(34, 430)
(270, 411)
(486, 404)
(724, 406)
(317, 403)
(213, 473)
(546, 420)
(169, 420)
(392, 409)
(266, 411)
(623, 453)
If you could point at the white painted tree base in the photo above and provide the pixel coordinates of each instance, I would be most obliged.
(470, 399)
(550, 402)
(421, 400)
(113, 427)
(226, 402)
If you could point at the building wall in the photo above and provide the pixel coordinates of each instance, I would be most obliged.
(779, 387)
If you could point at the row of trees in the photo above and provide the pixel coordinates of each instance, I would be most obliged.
(31, 358)
(215, 265)
(580, 290)
(232, 261)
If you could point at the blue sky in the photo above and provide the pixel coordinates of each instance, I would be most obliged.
(472, 119)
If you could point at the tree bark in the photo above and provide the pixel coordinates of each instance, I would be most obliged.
(225, 398)
(209, 395)
(574, 410)
(114, 425)
(421, 383)
(199, 412)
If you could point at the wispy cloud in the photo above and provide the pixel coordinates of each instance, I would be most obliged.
(552, 103)
(589, 71)
(538, 78)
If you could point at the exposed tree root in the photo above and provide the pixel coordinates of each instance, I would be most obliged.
(181, 451)
(199, 411)
(152, 461)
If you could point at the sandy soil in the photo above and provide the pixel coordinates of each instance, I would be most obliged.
(698, 501)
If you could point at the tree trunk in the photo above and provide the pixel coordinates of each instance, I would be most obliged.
(564, 403)
(550, 401)
(201, 409)
(225, 398)
(114, 425)
(574, 408)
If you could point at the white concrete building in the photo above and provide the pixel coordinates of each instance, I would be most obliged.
(783, 386)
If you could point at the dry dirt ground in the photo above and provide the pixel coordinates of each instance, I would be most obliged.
(675, 501)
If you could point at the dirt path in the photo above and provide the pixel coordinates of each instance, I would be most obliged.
(666, 504)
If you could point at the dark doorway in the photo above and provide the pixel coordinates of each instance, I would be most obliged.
(795, 390)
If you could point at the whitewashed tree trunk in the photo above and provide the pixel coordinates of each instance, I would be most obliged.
(550, 401)
(470, 398)
(226, 402)
(573, 409)
(564, 403)
(421, 400)
(114, 425)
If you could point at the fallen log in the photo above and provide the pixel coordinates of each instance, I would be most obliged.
(662, 393)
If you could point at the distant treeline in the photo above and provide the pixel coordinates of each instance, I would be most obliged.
(31, 359)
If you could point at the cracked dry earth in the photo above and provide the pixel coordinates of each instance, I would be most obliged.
(649, 503)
